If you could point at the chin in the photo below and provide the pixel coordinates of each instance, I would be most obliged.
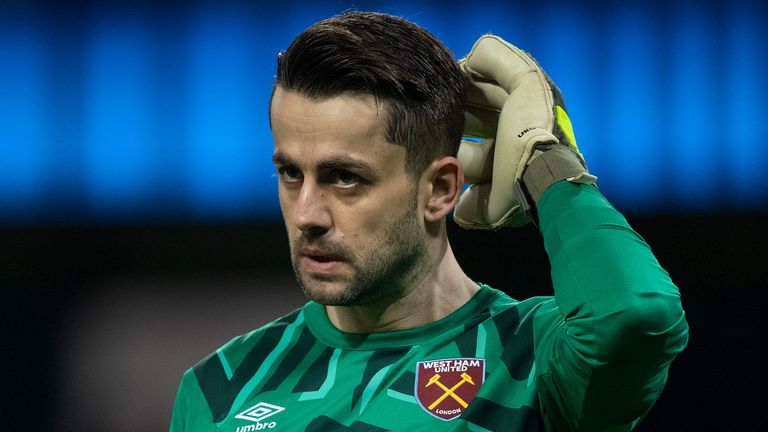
(324, 291)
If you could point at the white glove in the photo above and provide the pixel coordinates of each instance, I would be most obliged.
(516, 112)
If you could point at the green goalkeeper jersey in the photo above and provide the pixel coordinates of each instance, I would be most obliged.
(594, 357)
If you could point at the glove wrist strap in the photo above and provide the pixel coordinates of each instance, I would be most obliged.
(549, 167)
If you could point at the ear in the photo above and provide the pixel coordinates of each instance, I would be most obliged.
(444, 179)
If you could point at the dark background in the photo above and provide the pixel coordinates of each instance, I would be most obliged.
(189, 288)
(110, 294)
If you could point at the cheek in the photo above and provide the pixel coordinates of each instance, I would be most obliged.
(367, 223)
(357, 225)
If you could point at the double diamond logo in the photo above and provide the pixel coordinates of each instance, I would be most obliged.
(259, 412)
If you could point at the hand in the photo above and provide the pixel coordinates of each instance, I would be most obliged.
(516, 114)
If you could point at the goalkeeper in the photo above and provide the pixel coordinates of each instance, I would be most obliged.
(367, 115)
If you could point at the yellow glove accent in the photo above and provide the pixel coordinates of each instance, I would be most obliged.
(565, 125)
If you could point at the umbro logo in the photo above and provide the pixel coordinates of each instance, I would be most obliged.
(259, 412)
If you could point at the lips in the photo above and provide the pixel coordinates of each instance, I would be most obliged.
(320, 255)
(322, 258)
(320, 262)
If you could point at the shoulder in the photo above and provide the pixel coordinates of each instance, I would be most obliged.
(208, 388)
(241, 345)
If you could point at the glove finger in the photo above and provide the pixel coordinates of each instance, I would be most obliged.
(471, 208)
(484, 93)
(476, 158)
(496, 60)
(481, 119)
(524, 122)
(480, 123)
(507, 72)
(484, 101)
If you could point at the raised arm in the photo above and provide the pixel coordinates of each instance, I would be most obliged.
(604, 345)
(603, 352)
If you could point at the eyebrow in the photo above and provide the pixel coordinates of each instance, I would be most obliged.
(343, 161)
(279, 158)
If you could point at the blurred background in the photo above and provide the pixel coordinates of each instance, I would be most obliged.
(139, 226)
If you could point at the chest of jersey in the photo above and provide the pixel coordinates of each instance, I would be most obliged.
(477, 377)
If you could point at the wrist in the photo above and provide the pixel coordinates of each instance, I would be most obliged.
(549, 165)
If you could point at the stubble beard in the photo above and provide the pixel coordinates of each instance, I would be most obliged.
(380, 273)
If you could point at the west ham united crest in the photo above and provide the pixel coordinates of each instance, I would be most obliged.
(444, 388)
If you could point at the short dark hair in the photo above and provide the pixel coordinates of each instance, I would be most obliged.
(394, 60)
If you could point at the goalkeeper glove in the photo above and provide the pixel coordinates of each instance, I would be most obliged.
(525, 137)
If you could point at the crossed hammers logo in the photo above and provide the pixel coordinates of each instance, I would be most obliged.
(465, 378)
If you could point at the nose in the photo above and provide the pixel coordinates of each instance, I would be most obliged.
(311, 214)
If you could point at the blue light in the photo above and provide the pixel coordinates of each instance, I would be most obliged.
(121, 165)
(128, 114)
(633, 131)
(694, 71)
(228, 154)
(24, 156)
(742, 151)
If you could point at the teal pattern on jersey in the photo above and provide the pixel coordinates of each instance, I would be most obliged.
(316, 374)
(292, 359)
(219, 391)
(379, 360)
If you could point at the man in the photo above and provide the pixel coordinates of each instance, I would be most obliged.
(367, 115)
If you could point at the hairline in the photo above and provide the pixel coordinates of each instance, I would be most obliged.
(385, 103)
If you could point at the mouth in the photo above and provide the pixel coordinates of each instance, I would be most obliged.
(322, 258)
(320, 263)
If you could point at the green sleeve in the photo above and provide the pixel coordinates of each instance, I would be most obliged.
(603, 349)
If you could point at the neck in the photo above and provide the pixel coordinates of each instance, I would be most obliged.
(433, 293)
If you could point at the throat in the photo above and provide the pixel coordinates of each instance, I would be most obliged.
(420, 306)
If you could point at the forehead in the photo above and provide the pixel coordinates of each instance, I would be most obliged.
(351, 124)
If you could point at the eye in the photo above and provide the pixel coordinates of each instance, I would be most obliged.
(289, 174)
(346, 178)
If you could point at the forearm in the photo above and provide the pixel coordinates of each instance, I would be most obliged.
(623, 323)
